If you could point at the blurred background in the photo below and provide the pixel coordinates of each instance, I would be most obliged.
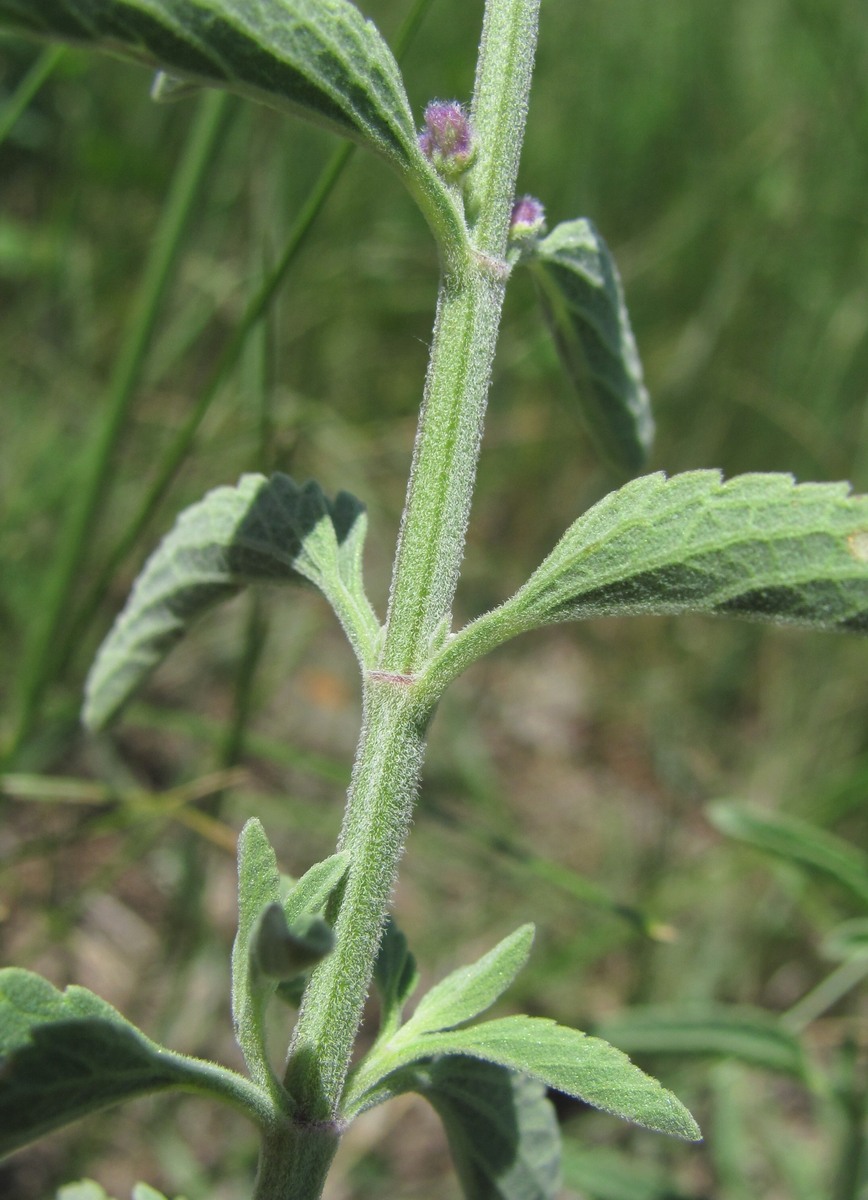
(722, 150)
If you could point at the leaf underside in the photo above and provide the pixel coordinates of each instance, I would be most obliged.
(584, 304)
(319, 58)
(64, 1055)
(262, 531)
(502, 1130)
(757, 546)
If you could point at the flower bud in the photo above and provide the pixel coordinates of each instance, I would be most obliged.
(447, 139)
(527, 220)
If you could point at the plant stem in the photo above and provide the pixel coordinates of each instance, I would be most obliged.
(431, 544)
(17, 104)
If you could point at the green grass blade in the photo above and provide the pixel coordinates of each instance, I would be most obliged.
(42, 654)
(15, 107)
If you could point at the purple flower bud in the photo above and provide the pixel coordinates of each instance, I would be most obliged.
(527, 219)
(447, 138)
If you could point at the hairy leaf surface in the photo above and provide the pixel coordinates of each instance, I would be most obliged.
(471, 990)
(66, 1054)
(564, 1059)
(395, 976)
(502, 1130)
(751, 1036)
(583, 300)
(262, 531)
(755, 546)
(797, 840)
(319, 58)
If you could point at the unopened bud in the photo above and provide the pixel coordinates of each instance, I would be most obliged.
(282, 951)
(447, 138)
(528, 218)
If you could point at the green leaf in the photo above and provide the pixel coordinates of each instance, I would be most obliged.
(471, 990)
(318, 58)
(583, 300)
(311, 893)
(262, 531)
(258, 889)
(564, 1059)
(501, 1128)
(754, 546)
(606, 1175)
(751, 1036)
(848, 940)
(66, 1054)
(797, 841)
(396, 977)
(83, 1189)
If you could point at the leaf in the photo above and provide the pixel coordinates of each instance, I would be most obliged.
(501, 1128)
(583, 300)
(470, 990)
(311, 893)
(258, 888)
(395, 975)
(262, 531)
(848, 940)
(66, 1054)
(798, 841)
(755, 546)
(751, 1036)
(564, 1059)
(318, 58)
(606, 1175)
(83, 1189)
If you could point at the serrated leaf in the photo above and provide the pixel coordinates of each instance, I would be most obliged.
(751, 1036)
(583, 300)
(318, 58)
(757, 546)
(567, 1060)
(797, 841)
(471, 990)
(396, 977)
(502, 1130)
(64, 1055)
(262, 531)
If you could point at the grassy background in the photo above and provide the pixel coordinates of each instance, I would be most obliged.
(721, 149)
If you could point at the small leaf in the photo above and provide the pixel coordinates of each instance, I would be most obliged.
(262, 531)
(319, 58)
(258, 888)
(66, 1054)
(84, 1189)
(583, 300)
(751, 1036)
(311, 893)
(471, 990)
(395, 976)
(798, 841)
(283, 952)
(564, 1059)
(502, 1130)
(754, 546)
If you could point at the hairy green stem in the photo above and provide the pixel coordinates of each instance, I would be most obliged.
(431, 544)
